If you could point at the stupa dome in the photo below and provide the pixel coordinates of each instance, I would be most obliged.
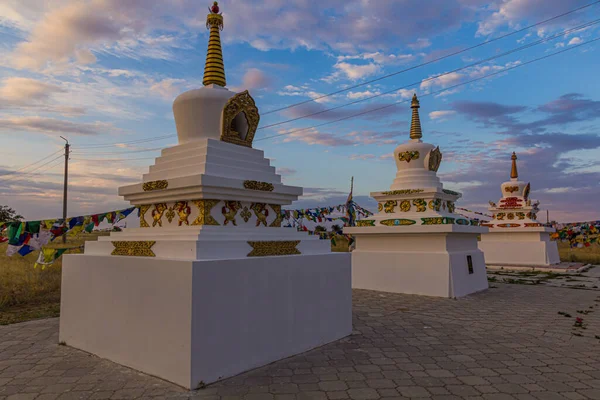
(417, 162)
(213, 111)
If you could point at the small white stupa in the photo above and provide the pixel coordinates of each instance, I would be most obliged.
(515, 237)
(210, 285)
(416, 244)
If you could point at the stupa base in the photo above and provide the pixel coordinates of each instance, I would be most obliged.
(441, 261)
(527, 246)
(193, 322)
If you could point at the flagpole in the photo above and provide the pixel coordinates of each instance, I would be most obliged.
(67, 146)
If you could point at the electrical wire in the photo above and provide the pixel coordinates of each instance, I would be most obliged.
(32, 164)
(20, 176)
(573, 47)
(432, 61)
(549, 38)
(98, 145)
(117, 152)
(112, 159)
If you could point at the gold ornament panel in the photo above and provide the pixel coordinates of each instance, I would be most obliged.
(240, 103)
(408, 156)
(135, 249)
(397, 222)
(210, 212)
(365, 222)
(389, 206)
(155, 185)
(273, 248)
(256, 185)
(435, 159)
(402, 191)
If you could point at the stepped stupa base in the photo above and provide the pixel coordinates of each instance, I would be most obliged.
(441, 261)
(525, 246)
(192, 322)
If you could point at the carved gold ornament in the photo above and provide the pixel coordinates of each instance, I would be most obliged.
(365, 222)
(204, 216)
(435, 159)
(526, 191)
(143, 210)
(157, 214)
(475, 222)
(155, 185)
(437, 221)
(532, 224)
(245, 214)
(390, 205)
(435, 204)
(397, 222)
(184, 211)
(408, 156)
(520, 215)
(450, 206)
(256, 185)
(420, 204)
(403, 191)
(380, 207)
(240, 106)
(170, 214)
(462, 221)
(508, 225)
(452, 192)
(261, 212)
(405, 206)
(278, 216)
(511, 189)
(230, 210)
(274, 248)
(136, 249)
(510, 216)
(500, 216)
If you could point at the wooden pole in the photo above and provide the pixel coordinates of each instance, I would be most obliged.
(67, 146)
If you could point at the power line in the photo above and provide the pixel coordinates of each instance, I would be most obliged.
(112, 159)
(432, 93)
(98, 145)
(117, 152)
(32, 164)
(549, 38)
(432, 61)
(15, 177)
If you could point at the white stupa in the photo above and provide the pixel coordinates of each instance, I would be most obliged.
(515, 237)
(416, 243)
(210, 285)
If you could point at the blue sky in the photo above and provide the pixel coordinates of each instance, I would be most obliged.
(106, 72)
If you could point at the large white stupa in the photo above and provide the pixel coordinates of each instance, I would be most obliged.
(416, 243)
(210, 285)
(516, 238)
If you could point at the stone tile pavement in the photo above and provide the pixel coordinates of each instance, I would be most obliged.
(507, 343)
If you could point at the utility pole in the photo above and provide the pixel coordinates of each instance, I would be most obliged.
(67, 146)
(547, 216)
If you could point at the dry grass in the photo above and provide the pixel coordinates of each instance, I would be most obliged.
(27, 292)
(590, 255)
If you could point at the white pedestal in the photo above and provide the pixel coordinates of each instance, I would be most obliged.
(519, 246)
(424, 260)
(201, 321)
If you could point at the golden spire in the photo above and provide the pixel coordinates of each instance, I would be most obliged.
(214, 70)
(415, 123)
(513, 171)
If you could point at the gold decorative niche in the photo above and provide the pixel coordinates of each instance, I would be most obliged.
(240, 120)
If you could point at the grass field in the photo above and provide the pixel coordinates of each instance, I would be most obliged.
(28, 293)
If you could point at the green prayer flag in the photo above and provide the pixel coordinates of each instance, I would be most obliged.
(33, 226)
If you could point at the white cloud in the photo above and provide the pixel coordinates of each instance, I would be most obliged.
(55, 126)
(442, 81)
(361, 95)
(254, 78)
(168, 88)
(421, 43)
(304, 91)
(575, 40)
(441, 114)
(355, 71)
(313, 137)
(362, 156)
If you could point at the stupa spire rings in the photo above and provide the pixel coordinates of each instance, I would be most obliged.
(214, 69)
(513, 171)
(415, 123)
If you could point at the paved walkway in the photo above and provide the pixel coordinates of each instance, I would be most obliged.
(507, 343)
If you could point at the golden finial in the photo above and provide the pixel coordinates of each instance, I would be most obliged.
(214, 69)
(415, 124)
(513, 171)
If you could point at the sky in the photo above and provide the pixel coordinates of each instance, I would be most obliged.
(104, 74)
